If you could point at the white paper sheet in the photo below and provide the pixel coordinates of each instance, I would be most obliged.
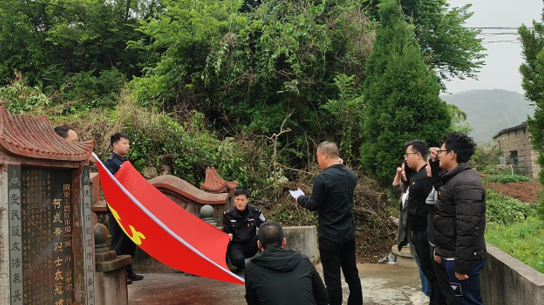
(297, 193)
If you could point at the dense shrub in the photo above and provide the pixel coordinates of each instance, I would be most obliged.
(507, 210)
(507, 178)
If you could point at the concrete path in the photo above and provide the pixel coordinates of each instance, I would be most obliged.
(382, 284)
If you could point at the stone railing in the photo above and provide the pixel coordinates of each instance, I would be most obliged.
(506, 281)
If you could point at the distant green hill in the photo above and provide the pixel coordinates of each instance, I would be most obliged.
(490, 111)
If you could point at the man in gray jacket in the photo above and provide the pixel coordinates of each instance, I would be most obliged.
(459, 221)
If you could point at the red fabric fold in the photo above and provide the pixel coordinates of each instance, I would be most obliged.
(163, 229)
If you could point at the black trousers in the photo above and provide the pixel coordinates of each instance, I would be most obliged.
(336, 255)
(423, 250)
(120, 242)
(466, 292)
(238, 252)
(444, 283)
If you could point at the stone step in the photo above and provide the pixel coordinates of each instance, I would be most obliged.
(404, 257)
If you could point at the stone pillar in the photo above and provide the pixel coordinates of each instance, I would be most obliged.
(110, 281)
(206, 214)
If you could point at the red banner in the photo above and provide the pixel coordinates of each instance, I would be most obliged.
(163, 229)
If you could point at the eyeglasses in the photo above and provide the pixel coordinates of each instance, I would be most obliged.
(442, 150)
(406, 154)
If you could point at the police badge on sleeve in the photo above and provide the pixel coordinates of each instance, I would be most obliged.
(261, 217)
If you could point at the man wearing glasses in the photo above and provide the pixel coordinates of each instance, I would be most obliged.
(420, 187)
(459, 221)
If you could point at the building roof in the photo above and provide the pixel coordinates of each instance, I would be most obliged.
(507, 130)
(35, 138)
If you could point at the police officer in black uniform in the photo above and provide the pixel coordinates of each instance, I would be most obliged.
(120, 242)
(240, 223)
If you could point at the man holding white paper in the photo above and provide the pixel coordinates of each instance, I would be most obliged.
(332, 197)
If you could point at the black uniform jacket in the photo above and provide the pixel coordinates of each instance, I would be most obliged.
(243, 230)
(283, 277)
(113, 163)
(459, 220)
(332, 197)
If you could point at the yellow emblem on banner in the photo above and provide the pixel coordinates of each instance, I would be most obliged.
(136, 236)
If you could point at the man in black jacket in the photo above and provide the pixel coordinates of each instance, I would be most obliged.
(459, 222)
(420, 187)
(280, 276)
(332, 197)
(120, 242)
(240, 223)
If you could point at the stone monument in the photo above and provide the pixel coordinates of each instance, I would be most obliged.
(46, 243)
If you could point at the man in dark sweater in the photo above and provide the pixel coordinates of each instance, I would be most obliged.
(280, 276)
(420, 187)
(332, 197)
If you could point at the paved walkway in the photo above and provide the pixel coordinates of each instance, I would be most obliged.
(382, 284)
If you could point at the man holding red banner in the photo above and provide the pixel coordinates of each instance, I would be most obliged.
(120, 242)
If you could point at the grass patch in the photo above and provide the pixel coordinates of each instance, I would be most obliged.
(522, 240)
(503, 178)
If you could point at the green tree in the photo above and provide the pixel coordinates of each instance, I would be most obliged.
(458, 120)
(448, 47)
(248, 71)
(47, 40)
(532, 71)
(401, 96)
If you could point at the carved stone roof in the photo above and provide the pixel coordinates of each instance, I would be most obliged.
(35, 138)
(215, 184)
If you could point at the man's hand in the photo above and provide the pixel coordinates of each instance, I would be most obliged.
(230, 236)
(437, 258)
(399, 171)
(461, 277)
(434, 153)
(340, 161)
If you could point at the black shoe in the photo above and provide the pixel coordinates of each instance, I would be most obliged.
(135, 277)
(129, 281)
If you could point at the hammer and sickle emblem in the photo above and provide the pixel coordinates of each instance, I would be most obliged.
(136, 236)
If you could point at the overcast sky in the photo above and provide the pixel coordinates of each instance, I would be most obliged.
(503, 57)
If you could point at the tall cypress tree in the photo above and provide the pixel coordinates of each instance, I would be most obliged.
(533, 82)
(401, 96)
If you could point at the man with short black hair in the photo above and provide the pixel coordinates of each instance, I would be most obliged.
(459, 221)
(280, 276)
(332, 197)
(240, 223)
(120, 242)
(67, 132)
(416, 153)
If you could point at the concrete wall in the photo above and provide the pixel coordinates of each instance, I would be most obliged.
(507, 281)
(518, 140)
(303, 239)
